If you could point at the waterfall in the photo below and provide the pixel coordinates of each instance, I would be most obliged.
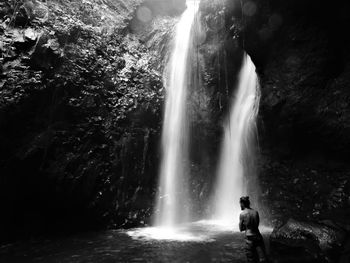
(237, 153)
(173, 193)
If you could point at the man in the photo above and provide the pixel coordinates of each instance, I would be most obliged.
(249, 222)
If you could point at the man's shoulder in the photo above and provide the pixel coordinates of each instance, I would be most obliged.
(250, 212)
(242, 214)
(245, 212)
(253, 213)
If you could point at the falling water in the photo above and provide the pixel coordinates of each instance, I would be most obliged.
(236, 149)
(172, 196)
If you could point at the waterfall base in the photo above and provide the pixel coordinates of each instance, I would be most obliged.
(201, 231)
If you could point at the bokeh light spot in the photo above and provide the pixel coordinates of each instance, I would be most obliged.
(249, 8)
(275, 21)
(265, 33)
(144, 14)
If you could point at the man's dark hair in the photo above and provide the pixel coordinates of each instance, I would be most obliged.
(245, 201)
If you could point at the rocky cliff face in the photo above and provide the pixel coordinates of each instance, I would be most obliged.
(80, 110)
(305, 105)
(301, 52)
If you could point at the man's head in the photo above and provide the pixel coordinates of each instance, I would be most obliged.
(244, 202)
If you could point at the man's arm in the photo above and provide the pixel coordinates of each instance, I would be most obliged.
(241, 224)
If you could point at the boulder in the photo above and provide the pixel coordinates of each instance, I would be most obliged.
(297, 241)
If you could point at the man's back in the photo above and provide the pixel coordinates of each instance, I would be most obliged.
(249, 221)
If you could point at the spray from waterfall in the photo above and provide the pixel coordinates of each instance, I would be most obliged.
(172, 196)
(237, 154)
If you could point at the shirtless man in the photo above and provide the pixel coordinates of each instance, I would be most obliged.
(249, 222)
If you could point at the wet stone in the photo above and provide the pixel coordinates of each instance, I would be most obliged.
(307, 242)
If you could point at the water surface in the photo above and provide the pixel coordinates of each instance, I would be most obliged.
(196, 242)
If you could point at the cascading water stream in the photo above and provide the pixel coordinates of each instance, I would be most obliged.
(172, 195)
(236, 149)
(235, 162)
